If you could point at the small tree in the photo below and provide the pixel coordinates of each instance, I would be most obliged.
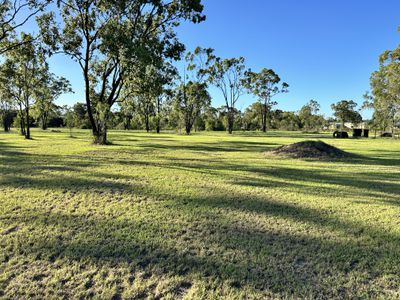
(70, 121)
(265, 85)
(345, 112)
(309, 117)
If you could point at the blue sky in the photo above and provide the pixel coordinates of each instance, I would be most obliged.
(325, 50)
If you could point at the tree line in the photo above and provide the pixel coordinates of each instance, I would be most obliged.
(127, 53)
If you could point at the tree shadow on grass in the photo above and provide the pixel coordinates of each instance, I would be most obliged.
(220, 239)
(219, 247)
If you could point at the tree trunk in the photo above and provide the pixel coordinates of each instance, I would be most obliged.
(6, 122)
(147, 123)
(158, 115)
(188, 129)
(44, 122)
(231, 120)
(22, 125)
(28, 127)
(264, 117)
(95, 129)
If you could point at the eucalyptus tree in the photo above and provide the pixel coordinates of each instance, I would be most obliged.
(190, 100)
(385, 86)
(109, 39)
(6, 113)
(309, 116)
(345, 111)
(228, 75)
(46, 92)
(191, 97)
(13, 15)
(127, 111)
(22, 71)
(154, 88)
(265, 85)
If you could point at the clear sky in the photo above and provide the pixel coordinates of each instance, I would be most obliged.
(326, 50)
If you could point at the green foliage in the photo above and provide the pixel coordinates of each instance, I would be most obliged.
(228, 75)
(14, 15)
(385, 99)
(111, 40)
(23, 70)
(190, 100)
(265, 86)
(309, 117)
(345, 111)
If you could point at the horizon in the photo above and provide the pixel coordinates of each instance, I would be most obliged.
(303, 35)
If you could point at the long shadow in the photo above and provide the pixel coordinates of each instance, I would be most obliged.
(216, 239)
(292, 259)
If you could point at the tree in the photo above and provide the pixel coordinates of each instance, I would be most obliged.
(309, 117)
(265, 85)
(191, 96)
(6, 113)
(190, 100)
(150, 88)
(22, 71)
(228, 75)
(385, 99)
(13, 15)
(48, 90)
(345, 112)
(109, 39)
(252, 117)
(70, 121)
(127, 112)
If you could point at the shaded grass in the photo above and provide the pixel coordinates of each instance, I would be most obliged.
(206, 216)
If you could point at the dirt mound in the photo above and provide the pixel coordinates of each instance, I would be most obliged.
(311, 149)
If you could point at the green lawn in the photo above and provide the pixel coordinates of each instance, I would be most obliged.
(208, 216)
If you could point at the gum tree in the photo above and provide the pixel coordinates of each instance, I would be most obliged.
(190, 100)
(228, 75)
(48, 90)
(23, 70)
(345, 112)
(109, 39)
(265, 85)
(13, 15)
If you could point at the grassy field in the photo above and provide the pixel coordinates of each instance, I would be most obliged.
(208, 216)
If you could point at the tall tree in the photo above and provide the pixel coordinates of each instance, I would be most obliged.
(48, 90)
(190, 100)
(23, 70)
(228, 75)
(6, 113)
(13, 15)
(151, 87)
(109, 39)
(385, 98)
(265, 85)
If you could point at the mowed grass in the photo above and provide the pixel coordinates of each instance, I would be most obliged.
(207, 216)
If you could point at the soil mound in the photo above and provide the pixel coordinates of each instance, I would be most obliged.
(311, 149)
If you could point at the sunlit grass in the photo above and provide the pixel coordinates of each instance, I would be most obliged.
(206, 216)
